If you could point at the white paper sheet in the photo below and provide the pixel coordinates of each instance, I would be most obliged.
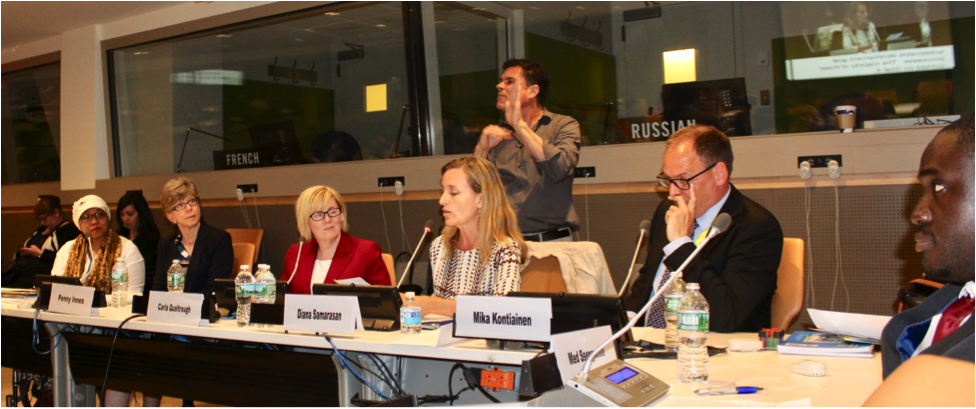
(858, 325)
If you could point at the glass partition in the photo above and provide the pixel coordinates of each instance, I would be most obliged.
(32, 125)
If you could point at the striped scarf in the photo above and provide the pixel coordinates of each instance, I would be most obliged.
(101, 276)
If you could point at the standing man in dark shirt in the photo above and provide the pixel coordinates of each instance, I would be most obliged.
(535, 151)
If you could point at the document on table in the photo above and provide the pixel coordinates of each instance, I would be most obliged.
(858, 325)
(683, 402)
(354, 280)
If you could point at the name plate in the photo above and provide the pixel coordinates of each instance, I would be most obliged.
(175, 308)
(330, 314)
(511, 318)
(72, 300)
(572, 349)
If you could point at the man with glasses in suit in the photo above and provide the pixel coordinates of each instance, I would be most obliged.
(737, 269)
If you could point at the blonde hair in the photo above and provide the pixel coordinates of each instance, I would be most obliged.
(312, 199)
(176, 190)
(496, 220)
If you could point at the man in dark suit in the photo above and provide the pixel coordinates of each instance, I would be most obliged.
(737, 269)
(942, 324)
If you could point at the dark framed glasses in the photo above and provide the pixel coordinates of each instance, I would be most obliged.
(332, 213)
(683, 184)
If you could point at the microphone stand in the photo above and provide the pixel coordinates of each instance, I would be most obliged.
(674, 276)
(633, 262)
(185, 139)
(410, 263)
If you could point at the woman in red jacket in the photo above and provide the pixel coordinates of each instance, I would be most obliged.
(329, 253)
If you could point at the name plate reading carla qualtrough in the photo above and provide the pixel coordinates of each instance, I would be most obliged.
(72, 300)
(512, 318)
(331, 314)
(175, 308)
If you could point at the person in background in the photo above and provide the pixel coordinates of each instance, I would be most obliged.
(206, 253)
(481, 250)
(943, 324)
(92, 254)
(329, 253)
(736, 270)
(37, 254)
(535, 152)
(135, 222)
(859, 33)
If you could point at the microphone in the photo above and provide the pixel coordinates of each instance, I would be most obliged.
(298, 257)
(719, 225)
(427, 228)
(645, 226)
(91, 257)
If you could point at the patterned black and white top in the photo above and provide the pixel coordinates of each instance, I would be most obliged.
(461, 275)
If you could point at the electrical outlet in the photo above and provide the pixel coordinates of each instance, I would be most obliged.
(819, 161)
(248, 188)
(398, 188)
(585, 172)
(391, 181)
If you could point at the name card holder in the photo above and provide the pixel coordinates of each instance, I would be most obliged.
(573, 348)
(322, 314)
(174, 308)
(508, 318)
(72, 300)
(271, 314)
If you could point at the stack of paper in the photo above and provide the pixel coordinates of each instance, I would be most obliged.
(823, 344)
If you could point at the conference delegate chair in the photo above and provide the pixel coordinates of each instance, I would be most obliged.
(390, 266)
(581, 264)
(543, 276)
(916, 292)
(252, 236)
(244, 253)
(788, 298)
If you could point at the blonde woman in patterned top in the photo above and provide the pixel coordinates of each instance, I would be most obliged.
(481, 250)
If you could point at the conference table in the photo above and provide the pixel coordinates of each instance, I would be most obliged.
(264, 366)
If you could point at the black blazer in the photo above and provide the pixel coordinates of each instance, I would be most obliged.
(958, 344)
(736, 270)
(213, 258)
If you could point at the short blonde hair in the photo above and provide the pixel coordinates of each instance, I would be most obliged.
(497, 220)
(176, 190)
(313, 199)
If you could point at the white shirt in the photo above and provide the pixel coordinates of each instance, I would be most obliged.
(705, 221)
(968, 290)
(320, 271)
(130, 256)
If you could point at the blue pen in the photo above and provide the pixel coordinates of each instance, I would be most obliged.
(738, 390)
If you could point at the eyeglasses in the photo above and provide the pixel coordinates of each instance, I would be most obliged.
(683, 184)
(332, 213)
(180, 206)
(88, 217)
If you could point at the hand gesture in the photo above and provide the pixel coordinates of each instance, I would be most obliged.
(513, 106)
(680, 218)
(491, 136)
(32, 251)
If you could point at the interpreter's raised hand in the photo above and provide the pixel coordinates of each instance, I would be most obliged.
(513, 106)
(680, 218)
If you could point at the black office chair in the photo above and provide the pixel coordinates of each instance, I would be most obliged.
(916, 292)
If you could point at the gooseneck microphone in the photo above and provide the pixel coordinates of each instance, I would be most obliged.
(645, 226)
(91, 256)
(719, 225)
(427, 228)
(298, 258)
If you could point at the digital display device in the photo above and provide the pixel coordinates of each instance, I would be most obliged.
(621, 375)
(379, 304)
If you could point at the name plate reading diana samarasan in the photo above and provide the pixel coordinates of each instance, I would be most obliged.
(330, 314)
(512, 318)
(174, 308)
(72, 300)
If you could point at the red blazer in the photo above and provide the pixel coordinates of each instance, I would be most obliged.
(353, 258)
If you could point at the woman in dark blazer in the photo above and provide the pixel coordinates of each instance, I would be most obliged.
(329, 253)
(205, 252)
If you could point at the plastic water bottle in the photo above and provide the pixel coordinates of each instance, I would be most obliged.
(692, 336)
(264, 287)
(672, 297)
(410, 315)
(175, 278)
(120, 283)
(244, 290)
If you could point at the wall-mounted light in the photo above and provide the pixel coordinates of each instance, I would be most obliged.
(376, 98)
(679, 66)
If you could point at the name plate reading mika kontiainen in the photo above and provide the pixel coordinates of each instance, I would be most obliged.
(511, 318)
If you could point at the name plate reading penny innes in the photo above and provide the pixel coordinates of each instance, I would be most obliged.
(175, 308)
(512, 318)
(329, 314)
(72, 300)
(573, 348)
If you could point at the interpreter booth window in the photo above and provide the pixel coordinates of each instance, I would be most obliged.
(322, 85)
(32, 125)
(748, 68)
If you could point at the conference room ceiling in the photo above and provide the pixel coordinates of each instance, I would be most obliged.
(28, 21)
